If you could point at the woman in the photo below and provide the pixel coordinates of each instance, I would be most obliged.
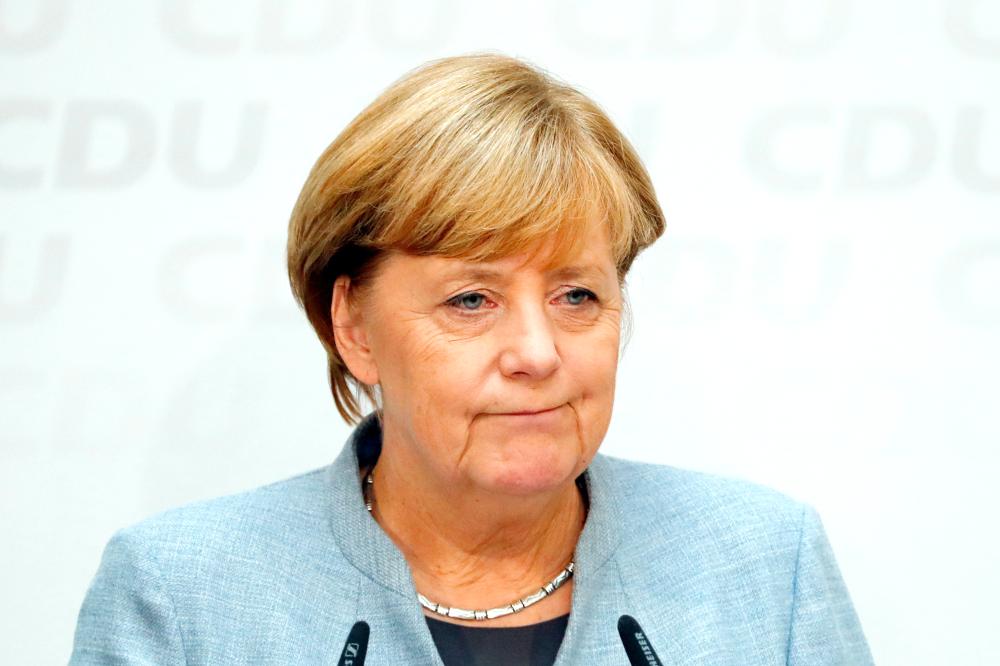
(460, 250)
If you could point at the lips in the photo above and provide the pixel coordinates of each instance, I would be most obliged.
(529, 412)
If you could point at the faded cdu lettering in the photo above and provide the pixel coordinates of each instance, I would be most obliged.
(283, 27)
(43, 27)
(965, 25)
(275, 26)
(702, 29)
(112, 144)
(38, 282)
(862, 136)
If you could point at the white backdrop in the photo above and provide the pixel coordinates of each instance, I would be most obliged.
(822, 315)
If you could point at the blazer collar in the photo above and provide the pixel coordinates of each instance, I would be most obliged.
(369, 549)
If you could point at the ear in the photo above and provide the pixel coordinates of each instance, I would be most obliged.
(350, 333)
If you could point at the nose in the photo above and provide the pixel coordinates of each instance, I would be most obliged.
(529, 345)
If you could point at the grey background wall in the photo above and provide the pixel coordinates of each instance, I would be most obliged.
(822, 315)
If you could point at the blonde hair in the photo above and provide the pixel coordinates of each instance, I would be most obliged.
(479, 156)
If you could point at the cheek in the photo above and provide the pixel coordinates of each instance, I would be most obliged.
(595, 359)
(595, 368)
(405, 366)
(444, 394)
(599, 392)
(437, 376)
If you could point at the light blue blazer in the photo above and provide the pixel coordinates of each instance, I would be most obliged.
(716, 571)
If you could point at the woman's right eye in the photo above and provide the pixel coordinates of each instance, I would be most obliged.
(471, 300)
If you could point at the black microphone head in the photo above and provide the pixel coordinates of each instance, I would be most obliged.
(356, 646)
(637, 646)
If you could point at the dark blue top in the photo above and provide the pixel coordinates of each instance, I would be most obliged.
(530, 645)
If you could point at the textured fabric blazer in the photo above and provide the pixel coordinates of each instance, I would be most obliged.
(716, 571)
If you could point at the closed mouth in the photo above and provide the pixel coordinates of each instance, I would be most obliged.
(529, 413)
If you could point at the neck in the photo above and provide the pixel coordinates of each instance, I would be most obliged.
(474, 549)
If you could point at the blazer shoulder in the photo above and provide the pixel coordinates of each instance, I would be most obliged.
(746, 570)
(248, 522)
(167, 587)
(663, 500)
(658, 483)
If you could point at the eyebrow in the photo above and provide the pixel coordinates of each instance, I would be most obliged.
(571, 272)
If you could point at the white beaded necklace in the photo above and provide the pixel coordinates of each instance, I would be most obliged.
(484, 614)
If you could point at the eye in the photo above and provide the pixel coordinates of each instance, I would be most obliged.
(470, 300)
(579, 296)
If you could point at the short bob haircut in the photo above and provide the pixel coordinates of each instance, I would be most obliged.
(478, 157)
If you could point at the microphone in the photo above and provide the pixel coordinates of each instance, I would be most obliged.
(637, 647)
(356, 646)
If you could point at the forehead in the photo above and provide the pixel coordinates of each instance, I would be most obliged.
(590, 256)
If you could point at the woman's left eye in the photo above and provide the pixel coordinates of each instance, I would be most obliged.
(579, 296)
(471, 300)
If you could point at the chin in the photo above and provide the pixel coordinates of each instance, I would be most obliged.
(533, 472)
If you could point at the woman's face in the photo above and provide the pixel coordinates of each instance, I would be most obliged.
(497, 374)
